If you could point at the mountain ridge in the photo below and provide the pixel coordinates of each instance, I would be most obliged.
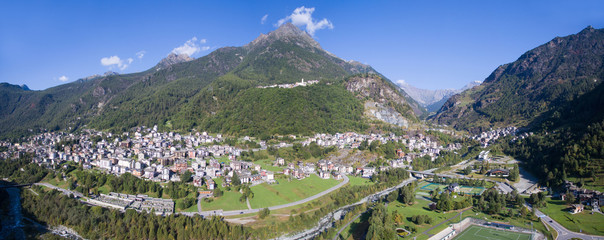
(432, 100)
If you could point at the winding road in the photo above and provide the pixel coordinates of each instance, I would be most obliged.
(563, 233)
(246, 211)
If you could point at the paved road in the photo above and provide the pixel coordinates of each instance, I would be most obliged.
(563, 233)
(65, 191)
(246, 211)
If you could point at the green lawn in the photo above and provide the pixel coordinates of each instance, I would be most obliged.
(228, 201)
(477, 232)
(223, 159)
(355, 181)
(516, 221)
(268, 165)
(58, 183)
(420, 208)
(266, 195)
(584, 221)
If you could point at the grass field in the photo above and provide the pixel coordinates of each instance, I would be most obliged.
(477, 232)
(420, 208)
(228, 201)
(268, 165)
(356, 181)
(266, 195)
(584, 221)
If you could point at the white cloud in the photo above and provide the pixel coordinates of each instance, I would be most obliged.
(302, 16)
(401, 82)
(263, 19)
(115, 61)
(63, 78)
(140, 54)
(189, 48)
(108, 61)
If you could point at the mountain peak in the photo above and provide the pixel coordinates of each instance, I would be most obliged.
(288, 29)
(588, 29)
(287, 32)
(110, 73)
(174, 58)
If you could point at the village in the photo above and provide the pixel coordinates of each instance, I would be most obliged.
(302, 83)
(165, 156)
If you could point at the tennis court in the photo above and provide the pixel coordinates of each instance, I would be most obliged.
(477, 232)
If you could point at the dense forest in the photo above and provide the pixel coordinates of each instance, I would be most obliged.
(21, 170)
(301, 110)
(562, 154)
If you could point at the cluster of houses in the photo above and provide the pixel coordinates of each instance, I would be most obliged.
(247, 172)
(137, 202)
(584, 197)
(522, 136)
(419, 145)
(486, 137)
(323, 168)
(302, 83)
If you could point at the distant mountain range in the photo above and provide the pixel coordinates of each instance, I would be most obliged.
(432, 100)
(218, 93)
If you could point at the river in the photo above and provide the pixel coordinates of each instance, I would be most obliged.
(12, 221)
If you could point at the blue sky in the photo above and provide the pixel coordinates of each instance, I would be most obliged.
(429, 44)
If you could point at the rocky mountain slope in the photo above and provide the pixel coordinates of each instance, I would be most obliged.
(182, 93)
(383, 100)
(542, 80)
(171, 59)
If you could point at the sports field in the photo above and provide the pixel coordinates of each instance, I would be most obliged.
(477, 232)
(464, 189)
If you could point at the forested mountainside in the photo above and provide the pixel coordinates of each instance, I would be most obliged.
(541, 80)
